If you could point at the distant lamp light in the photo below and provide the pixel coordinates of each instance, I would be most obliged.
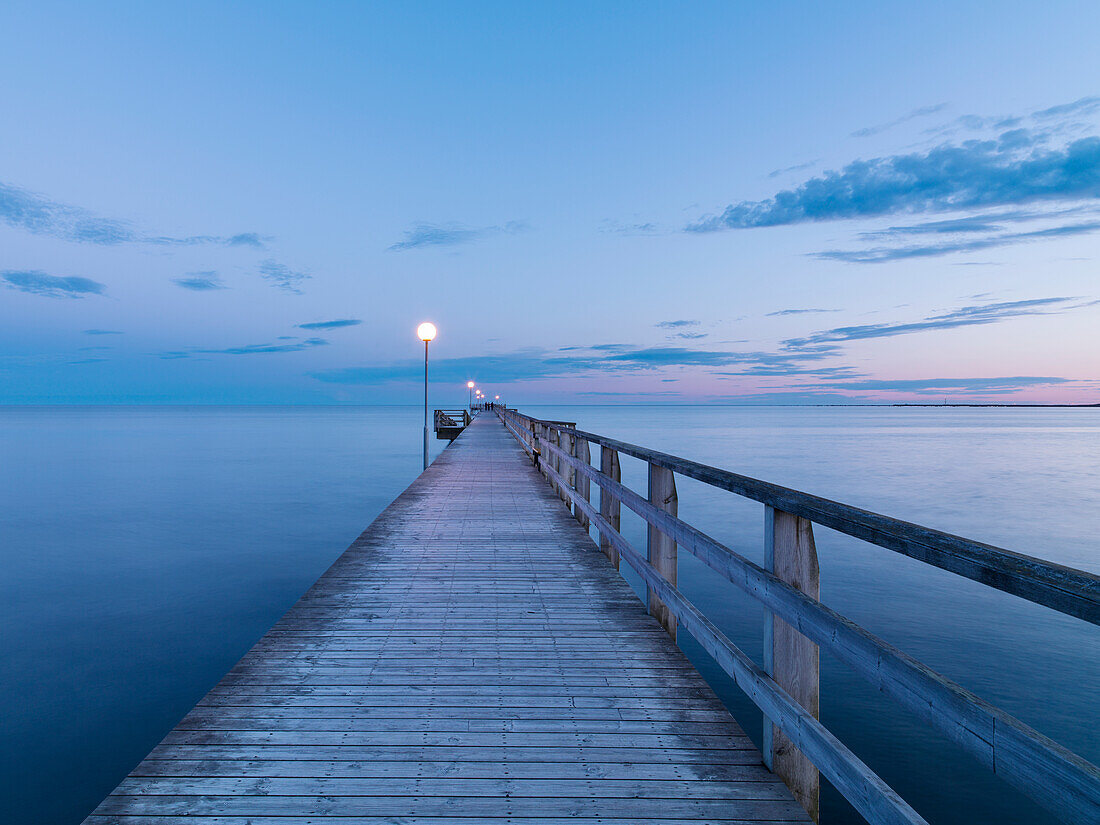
(426, 332)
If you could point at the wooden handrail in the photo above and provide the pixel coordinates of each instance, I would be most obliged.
(1051, 774)
(868, 793)
(1065, 589)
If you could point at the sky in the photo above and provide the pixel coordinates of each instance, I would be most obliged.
(781, 203)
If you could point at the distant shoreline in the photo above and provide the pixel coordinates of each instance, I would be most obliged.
(914, 404)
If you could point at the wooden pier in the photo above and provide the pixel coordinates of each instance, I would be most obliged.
(472, 657)
(475, 657)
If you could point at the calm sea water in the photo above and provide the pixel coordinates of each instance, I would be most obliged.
(144, 550)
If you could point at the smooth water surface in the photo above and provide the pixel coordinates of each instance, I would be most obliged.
(145, 549)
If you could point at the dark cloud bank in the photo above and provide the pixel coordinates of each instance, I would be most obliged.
(976, 175)
(805, 358)
(1016, 162)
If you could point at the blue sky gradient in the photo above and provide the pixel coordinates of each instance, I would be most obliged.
(611, 202)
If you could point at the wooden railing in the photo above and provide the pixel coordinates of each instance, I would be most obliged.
(452, 418)
(796, 745)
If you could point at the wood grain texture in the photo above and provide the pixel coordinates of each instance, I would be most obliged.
(610, 507)
(472, 657)
(870, 796)
(1065, 589)
(661, 548)
(1052, 775)
(789, 657)
(581, 482)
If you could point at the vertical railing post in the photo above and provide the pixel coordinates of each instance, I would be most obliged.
(661, 548)
(791, 659)
(582, 483)
(610, 506)
(555, 435)
(571, 471)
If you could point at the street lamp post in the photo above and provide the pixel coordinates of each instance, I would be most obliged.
(425, 332)
(470, 387)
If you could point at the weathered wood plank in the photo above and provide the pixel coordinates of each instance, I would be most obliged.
(425, 769)
(1048, 772)
(472, 657)
(610, 508)
(791, 659)
(1066, 589)
(869, 795)
(661, 548)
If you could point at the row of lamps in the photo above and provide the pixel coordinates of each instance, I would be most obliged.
(426, 332)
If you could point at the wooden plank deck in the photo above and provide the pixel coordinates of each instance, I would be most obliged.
(471, 657)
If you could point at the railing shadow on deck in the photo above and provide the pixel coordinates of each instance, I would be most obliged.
(796, 744)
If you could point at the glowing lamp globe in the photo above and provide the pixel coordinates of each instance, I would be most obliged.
(470, 385)
(426, 331)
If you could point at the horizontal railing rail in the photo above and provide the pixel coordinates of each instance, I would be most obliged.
(452, 418)
(1055, 777)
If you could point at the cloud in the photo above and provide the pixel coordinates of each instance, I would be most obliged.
(963, 317)
(102, 332)
(608, 347)
(938, 386)
(247, 239)
(249, 349)
(51, 286)
(975, 223)
(884, 254)
(973, 175)
(1047, 160)
(676, 324)
(81, 361)
(254, 349)
(798, 167)
(636, 228)
(281, 276)
(347, 322)
(806, 356)
(200, 281)
(533, 364)
(988, 222)
(452, 234)
(690, 336)
(652, 357)
(39, 215)
(636, 393)
(789, 398)
(523, 364)
(785, 369)
(783, 312)
(1083, 106)
(923, 111)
